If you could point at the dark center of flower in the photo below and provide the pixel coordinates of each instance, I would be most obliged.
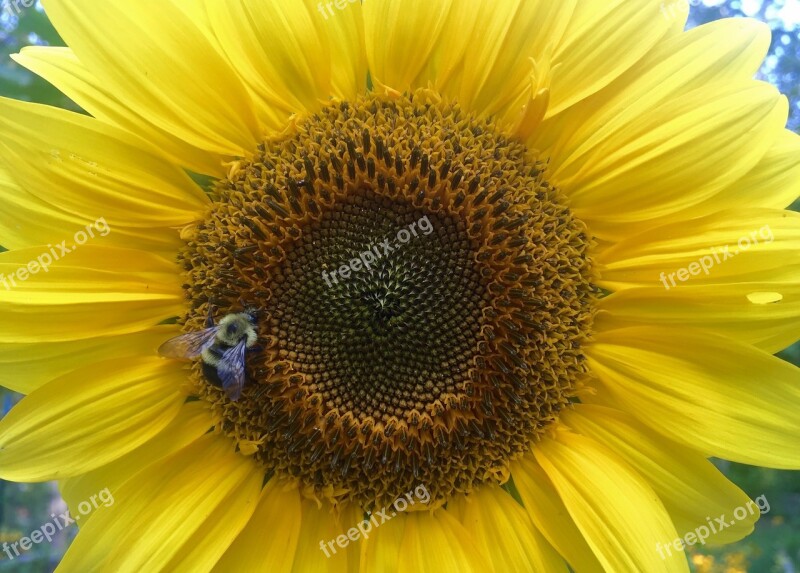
(382, 329)
(422, 299)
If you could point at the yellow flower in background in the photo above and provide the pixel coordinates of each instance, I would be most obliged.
(519, 265)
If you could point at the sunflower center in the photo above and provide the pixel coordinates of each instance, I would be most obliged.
(422, 297)
(381, 328)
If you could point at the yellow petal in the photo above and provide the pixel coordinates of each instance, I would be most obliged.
(381, 546)
(648, 167)
(504, 533)
(693, 491)
(150, 56)
(742, 245)
(89, 292)
(285, 53)
(61, 68)
(766, 315)
(348, 52)
(88, 418)
(27, 366)
(677, 12)
(269, 541)
(685, 385)
(485, 56)
(192, 421)
(602, 41)
(773, 183)
(502, 55)
(180, 514)
(85, 167)
(401, 37)
(615, 509)
(320, 525)
(548, 513)
(26, 221)
(438, 542)
(723, 51)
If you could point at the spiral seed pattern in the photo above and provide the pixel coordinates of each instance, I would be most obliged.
(444, 359)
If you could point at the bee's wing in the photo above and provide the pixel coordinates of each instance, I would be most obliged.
(231, 370)
(189, 345)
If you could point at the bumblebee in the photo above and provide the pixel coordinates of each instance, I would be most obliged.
(221, 347)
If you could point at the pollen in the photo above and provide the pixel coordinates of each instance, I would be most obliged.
(423, 297)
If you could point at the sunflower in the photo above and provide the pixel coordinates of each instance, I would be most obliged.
(516, 270)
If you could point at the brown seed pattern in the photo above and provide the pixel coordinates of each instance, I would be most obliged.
(443, 361)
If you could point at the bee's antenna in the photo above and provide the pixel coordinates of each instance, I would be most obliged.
(210, 317)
